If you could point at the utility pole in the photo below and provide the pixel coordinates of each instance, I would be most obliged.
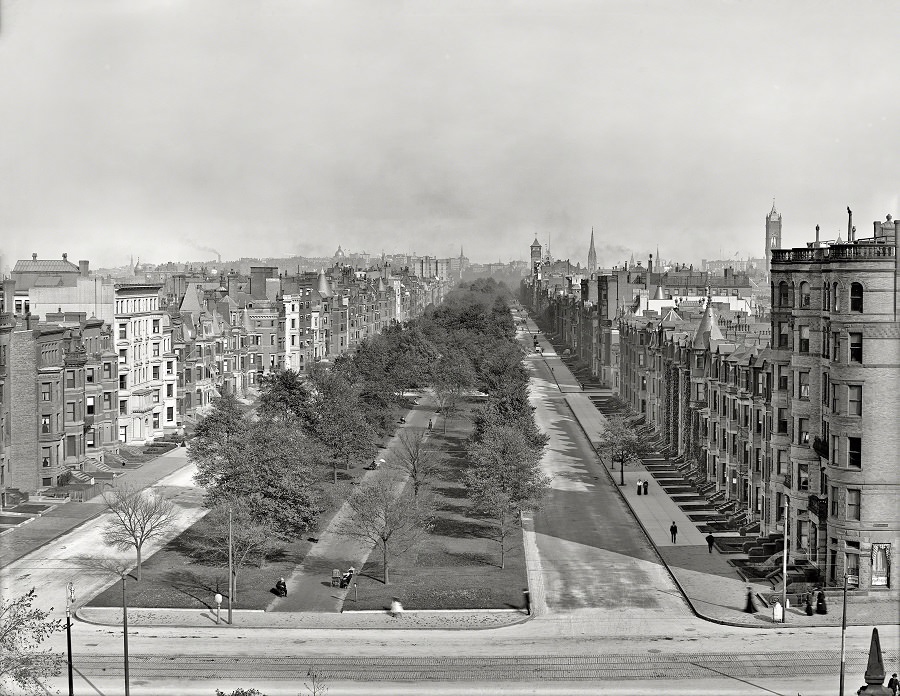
(230, 568)
(784, 558)
(125, 631)
(70, 600)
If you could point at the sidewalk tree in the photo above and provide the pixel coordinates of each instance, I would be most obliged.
(452, 376)
(137, 517)
(416, 458)
(23, 665)
(505, 478)
(384, 513)
(623, 443)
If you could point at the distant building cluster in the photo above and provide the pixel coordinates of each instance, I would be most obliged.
(89, 363)
(786, 409)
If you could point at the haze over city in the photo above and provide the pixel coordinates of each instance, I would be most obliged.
(167, 131)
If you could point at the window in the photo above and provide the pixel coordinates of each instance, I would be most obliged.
(854, 452)
(856, 297)
(155, 350)
(45, 391)
(155, 421)
(835, 297)
(835, 401)
(170, 414)
(835, 345)
(107, 370)
(856, 348)
(156, 326)
(89, 406)
(89, 438)
(155, 372)
(123, 407)
(70, 379)
(783, 334)
(854, 496)
(804, 339)
(170, 367)
(826, 387)
(45, 424)
(804, 294)
(155, 397)
(782, 421)
(123, 354)
(107, 401)
(854, 400)
(851, 561)
(784, 295)
(123, 381)
(782, 377)
(834, 501)
(170, 390)
(803, 431)
(70, 412)
(781, 462)
(71, 446)
(803, 384)
(89, 375)
(826, 296)
(123, 331)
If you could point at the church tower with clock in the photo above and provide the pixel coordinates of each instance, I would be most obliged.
(773, 234)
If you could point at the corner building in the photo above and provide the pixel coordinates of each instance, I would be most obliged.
(836, 353)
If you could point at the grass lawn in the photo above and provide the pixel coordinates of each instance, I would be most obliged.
(456, 566)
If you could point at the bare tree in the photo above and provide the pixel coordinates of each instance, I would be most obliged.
(416, 458)
(386, 514)
(251, 537)
(138, 517)
(22, 629)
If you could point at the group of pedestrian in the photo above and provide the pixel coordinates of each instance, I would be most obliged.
(642, 486)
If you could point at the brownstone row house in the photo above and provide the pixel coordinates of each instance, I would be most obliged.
(93, 363)
(797, 425)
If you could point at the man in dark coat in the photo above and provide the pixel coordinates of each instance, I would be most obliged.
(673, 530)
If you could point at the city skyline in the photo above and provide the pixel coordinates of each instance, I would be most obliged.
(160, 131)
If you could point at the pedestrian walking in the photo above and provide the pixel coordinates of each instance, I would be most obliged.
(710, 540)
(640, 486)
(894, 684)
(750, 607)
(821, 606)
(645, 484)
(396, 608)
(673, 530)
(429, 424)
(527, 595)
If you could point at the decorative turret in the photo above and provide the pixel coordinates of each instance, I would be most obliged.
(708, 330)
(322, 285)
(535, 255)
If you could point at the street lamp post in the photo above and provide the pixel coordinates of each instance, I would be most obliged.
(70, 600)
(230, 568)
(784, 557)
(124, 574)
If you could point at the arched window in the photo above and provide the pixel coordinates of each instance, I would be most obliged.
(804, 294)
(784, 295)
(856, 297)
(835, 297)
(826, 296)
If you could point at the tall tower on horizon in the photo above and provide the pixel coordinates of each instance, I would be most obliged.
(535, 255)
(773, 234)
(592, 255)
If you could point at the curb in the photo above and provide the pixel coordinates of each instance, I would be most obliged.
(687, 598)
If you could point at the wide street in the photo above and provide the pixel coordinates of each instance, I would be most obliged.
(608, 618)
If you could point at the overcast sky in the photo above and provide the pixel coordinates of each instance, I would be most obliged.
(164, 129)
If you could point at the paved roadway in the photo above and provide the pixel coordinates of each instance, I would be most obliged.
(608, 619)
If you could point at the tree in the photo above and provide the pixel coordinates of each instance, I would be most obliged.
(137, 517)
(623, 442)
(339, 420)
(453, 375)
(284, 395)
(23, 665)
(416, 458)
(218, 438)
(272, 467)
(251, 537)
(384, 513)
(505, 479)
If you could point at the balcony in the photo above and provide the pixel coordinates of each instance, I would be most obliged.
(818, 507)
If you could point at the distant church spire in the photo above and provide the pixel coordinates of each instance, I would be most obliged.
(592, 255)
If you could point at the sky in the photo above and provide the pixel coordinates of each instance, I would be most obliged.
(171, 129)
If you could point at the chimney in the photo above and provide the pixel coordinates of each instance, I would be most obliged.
(817, 235)
(849, 224)
(650, 264)
(83, 268)
(65, 256)
(34, 257)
